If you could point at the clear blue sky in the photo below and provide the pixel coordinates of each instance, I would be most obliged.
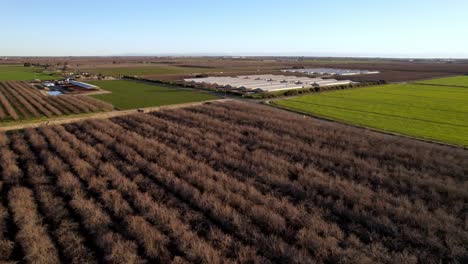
(397, 28)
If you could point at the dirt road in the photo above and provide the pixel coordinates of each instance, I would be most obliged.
(102, 115)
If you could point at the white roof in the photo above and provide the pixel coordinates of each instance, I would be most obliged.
(331, 71)
(83, 85)
(267, 82)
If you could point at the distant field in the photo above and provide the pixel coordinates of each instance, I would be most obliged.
(21, 73)
(149, 70)
(461, 81)
(425, 111)
(131, 95)
(343, 61)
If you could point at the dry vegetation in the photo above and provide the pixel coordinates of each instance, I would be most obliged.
(229, 182)
(19, 101)
(392, 70)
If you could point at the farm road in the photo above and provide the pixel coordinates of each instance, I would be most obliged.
(102, 115)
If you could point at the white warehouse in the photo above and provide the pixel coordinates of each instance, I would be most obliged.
(268, 82)
(83, 85)
(331, 71)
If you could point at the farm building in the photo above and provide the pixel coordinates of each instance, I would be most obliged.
(330, 71)
(267, 82)
(83, 85)
(330, 82)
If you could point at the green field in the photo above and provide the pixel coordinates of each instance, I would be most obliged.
(148, 70)
(426, 111)
(21, 73)
(461, 81)
(130, 94)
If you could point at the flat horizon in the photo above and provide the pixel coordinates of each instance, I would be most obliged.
(237, 55)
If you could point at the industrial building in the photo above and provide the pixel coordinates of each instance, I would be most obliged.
(267, 82)
(83, 85)
(330, 71)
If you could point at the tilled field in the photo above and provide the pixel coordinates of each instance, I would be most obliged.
(20, 101)
(229, 182)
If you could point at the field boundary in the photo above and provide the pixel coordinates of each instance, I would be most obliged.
(380, 114)
(127, 94)
(386, 132)
(406, 105)
(440, 85)
(425, 79)
(104, 115)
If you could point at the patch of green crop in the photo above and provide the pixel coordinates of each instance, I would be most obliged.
(426, 111)
(21, 73)
(459, 81)
(131, 94)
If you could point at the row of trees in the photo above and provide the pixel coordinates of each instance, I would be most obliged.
(282, 207)
(164, 162)
(434, 211)
(6, 245)
(19, 100)
(6, 109)
(177, 227)
(35, 98)
(273, 215)
(452, 171)
(32, 235)
(189, 218)
(75, 177)
(217, 184)
(12, 104)
(63, 228)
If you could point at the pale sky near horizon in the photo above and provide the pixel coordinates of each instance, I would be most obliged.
(409, 28)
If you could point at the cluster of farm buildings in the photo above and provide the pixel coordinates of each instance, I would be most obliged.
(330, 71)
(67, 86)
(267, 82)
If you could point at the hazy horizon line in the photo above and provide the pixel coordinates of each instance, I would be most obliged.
(242, 55)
